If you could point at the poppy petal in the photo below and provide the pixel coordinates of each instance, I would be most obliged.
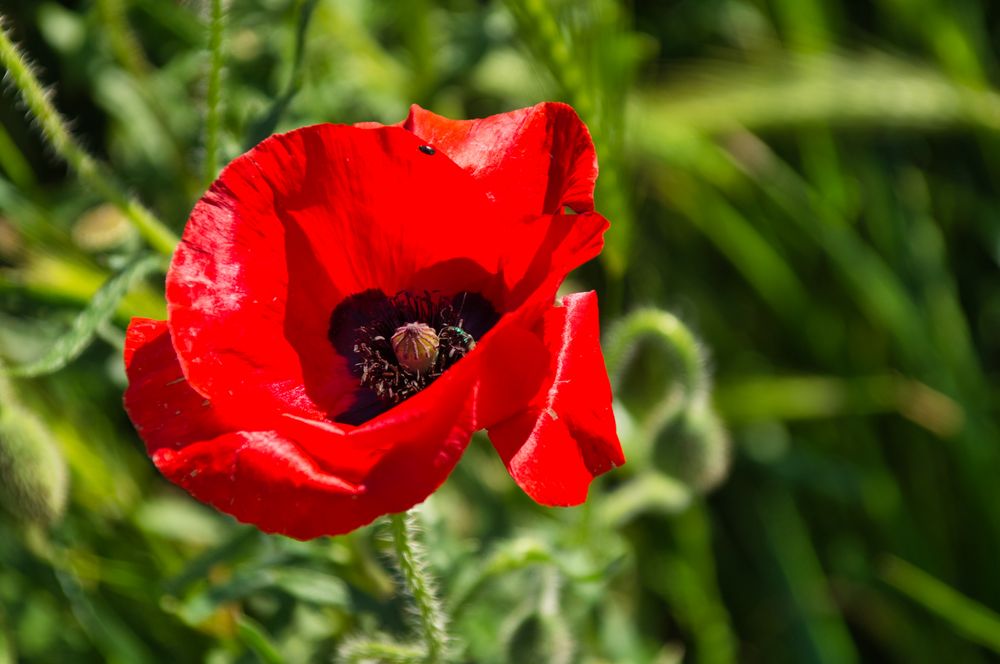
(304, 480)
(547, 248)
(294, 226)
(567, 436)
(265, 478)
(536, 159)
(165, 410)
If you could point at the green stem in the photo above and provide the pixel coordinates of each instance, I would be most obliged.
(56, 131)
(623, 340)
(410, 556)
(212, 120)
(689, 390)
(358, 652)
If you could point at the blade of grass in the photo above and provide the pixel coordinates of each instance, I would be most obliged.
(762, 398)
(735, 236)
(257, 640)
(873, 90)
(976, 622)
(100, 310)
(825, 637)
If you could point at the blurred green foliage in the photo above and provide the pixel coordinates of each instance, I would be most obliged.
(809, 185)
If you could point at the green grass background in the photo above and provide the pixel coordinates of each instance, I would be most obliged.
(808, 187)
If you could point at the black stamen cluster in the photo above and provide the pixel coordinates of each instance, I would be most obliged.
(380, 370)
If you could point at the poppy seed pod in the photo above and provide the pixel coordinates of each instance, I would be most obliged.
(415, 346)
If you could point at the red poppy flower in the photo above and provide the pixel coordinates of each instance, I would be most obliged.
(349, 304)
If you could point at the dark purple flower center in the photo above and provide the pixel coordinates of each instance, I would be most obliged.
(398, 345)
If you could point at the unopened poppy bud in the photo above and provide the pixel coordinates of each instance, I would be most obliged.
(695, 448)
(416, 346)
(33, 476)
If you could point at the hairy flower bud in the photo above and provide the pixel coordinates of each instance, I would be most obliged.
(33, 475)
(695, 449)
(416, 346)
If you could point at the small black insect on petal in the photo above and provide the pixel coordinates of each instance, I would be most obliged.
(426, 149)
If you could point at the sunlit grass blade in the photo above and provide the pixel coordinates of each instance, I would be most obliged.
(100, 310)
(976, 622)
(761, 398)
(875, 90)
(760, 261)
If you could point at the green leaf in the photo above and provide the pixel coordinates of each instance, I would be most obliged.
(305, 585)
(312, 586)
(101, 309)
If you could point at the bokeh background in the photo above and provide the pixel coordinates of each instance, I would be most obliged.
(800, 294)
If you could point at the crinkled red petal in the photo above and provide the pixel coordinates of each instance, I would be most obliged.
(533, 160)
(166, 412)
(566, 437)
(293, 226)
(302, 479)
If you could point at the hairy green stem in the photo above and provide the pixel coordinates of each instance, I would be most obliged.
(410, 555)
(654, 323)
(358, 652)
(683, 395)
(56, 131)
(212, 119)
